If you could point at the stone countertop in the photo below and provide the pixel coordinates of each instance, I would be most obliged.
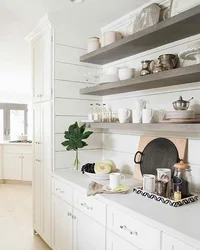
(182, 222)
(15, 144)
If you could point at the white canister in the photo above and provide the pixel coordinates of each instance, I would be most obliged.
(93, 44)
(124, 115)
(136, 115)
(149, 183)
(147, 115)
(111, 37)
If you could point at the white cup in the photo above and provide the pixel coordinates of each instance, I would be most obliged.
(116, 179)
(136, 116)
(162, 114)
(126, 73)
(140, 104)
(124, 115)
(149, 183)
(147, 115)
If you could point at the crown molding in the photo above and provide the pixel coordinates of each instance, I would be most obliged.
(43, 25)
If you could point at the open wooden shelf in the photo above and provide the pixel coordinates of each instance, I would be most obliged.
(152, 127)
(173, 29)
(173, 77)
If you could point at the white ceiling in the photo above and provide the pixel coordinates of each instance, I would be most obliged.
(18, 17)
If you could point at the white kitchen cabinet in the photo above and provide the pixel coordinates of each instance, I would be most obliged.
(171, 243)
(87, 233)
(12, 166)
(62, 224)
(42, 67)
(27, 167)
(114, 242)
(42, 167)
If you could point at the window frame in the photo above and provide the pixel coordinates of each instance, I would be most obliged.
(7, 107)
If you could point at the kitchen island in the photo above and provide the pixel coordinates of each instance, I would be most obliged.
(161, 224)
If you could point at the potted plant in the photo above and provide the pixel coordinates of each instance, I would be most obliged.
(74, 140)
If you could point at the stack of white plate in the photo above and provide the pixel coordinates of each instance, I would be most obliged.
(180, 114)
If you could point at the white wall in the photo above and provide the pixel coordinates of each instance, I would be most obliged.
(70, 106)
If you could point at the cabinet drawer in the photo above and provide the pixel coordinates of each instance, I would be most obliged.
(170, 243)
(15, 149)
(136, 232)
(90, 206)
(62, 190)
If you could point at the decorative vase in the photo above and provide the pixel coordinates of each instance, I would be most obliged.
(76, 162)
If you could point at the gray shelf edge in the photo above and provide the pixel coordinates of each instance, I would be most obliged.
(154, 127)
(182, 17)
(173, 77)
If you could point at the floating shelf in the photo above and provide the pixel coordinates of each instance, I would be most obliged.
(173, 77)
(152, 127)
(173, 29)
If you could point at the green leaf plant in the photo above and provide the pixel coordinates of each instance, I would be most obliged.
(74, 139)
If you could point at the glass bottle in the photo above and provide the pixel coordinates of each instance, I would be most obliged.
(182, 179)
(104, 116)
(90, 113)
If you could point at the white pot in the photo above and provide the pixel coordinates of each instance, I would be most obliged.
(93, 44)
(126, 73)
(22, 137)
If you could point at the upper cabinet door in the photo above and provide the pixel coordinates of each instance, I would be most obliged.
(171, 243)
(37, 74)
(47, 63)
(42, 68)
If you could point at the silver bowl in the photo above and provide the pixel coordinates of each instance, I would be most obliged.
(181, 105)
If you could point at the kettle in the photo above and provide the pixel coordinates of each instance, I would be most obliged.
(168, 61)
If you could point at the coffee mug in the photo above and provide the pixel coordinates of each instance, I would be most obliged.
(116, 179)
(136, 116)
(140, 104)
(147, 115)
(123, 115)
(162, 114)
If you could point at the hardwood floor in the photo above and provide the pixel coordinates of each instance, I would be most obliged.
(16, 231)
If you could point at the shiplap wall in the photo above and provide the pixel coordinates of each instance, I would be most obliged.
(70, 106)
(122, 145)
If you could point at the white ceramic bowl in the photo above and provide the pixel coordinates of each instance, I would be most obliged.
(126, 73)
(109, 78)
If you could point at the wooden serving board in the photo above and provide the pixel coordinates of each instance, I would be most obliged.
(181, 145)
(181, 121)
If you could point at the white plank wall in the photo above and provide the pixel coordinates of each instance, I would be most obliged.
(70, 106)
(122, 145)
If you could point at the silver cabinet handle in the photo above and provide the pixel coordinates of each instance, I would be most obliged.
(74, 217)
(86, 206)
(57, 189)
(62, 192)
(69, 214)
(128, 230)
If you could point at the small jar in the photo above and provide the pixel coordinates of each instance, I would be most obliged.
(182, 179)
(93, 44)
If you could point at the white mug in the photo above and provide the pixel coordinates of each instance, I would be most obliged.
(116, 179)
(123, 115)
(147, 115)
(162, 114)
(136, 116)
(140, 104)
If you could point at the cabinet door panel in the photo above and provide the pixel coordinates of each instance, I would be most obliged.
(114, 242)
(62, 224)
(12, 166)
(27, 167)
(171, 243)
(87, 233)
(37, 69)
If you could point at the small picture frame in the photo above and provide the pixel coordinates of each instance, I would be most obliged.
(179, 6)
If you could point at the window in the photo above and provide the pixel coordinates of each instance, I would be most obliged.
(13, 120)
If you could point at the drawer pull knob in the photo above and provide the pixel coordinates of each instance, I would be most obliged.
(128, 230)
(62, 192)
(69, 214)
(86, 206)
(73, 217)
(57, 189)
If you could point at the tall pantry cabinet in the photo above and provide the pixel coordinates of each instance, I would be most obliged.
(41, 39)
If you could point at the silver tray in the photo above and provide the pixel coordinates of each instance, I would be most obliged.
(164, 200)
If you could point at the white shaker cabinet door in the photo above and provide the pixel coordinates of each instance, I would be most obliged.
(170, 243)
(27, 167)
(61, 224)
(114, 242)
(87, 233)
(12, 166)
